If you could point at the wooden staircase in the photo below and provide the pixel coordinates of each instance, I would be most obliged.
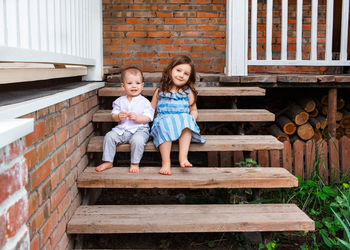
(107, 219)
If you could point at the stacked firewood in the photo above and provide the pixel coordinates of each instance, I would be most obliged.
(307, 119)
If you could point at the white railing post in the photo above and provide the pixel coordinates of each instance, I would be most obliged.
(95, 73)
(236, 37)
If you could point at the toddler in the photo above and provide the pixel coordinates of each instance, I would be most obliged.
(133, 112)
(175, 102)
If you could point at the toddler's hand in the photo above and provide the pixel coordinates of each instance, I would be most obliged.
(132, 116)
(122, 116)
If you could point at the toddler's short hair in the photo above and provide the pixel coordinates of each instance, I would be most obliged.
(131, 70)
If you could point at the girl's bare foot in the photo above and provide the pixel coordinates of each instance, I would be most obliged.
(104, 166)
(185, 164)
(166, 169)
(134, 168)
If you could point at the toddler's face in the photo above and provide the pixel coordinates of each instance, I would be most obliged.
(180, 74)
(132, 84)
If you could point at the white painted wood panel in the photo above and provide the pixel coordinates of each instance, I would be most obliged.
(284, 38)
(314, 16)
(237, 37)
(299, 29)
(268, 45)
(329, 30)
(344, 30)
(52, 31)
(254, 14)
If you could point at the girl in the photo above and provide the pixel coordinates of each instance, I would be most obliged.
(177, 112)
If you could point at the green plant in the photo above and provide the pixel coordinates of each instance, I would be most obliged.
(248, 163)
(343, 203)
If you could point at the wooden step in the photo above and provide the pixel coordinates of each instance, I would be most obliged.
(195, 177)
(188, 218)
(213, 143)
(211, 115)
(202, 91)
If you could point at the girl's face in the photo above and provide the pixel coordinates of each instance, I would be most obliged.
(180, 74)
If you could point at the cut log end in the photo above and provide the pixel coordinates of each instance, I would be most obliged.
(305, 131)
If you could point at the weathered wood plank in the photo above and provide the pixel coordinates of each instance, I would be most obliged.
(334, 160)
(211, 115)
(195, 177)
(310, 157)
(202, 91)
(188, 218)
(299, 158)
(275, 158)
(213, 143)
(287, 156)
(345, 154)
(323, 164)
(263, 158)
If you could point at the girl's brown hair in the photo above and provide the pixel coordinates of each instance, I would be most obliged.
(166, 81)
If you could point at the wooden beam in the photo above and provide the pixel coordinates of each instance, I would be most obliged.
(195, 177)
(188, 218)
(332, 110)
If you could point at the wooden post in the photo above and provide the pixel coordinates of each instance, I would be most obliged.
(332, 110)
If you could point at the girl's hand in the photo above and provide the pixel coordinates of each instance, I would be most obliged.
(132, 116)
(122, 116)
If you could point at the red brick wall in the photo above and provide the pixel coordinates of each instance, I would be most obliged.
(148, 33)
(55, 154)
(13, 197)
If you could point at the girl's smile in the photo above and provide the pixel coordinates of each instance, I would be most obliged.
(180, 74)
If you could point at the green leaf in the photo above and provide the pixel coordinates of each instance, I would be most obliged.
(346, 185)
(311, 183)
(328, 190)
(211, 243)
(322, 195)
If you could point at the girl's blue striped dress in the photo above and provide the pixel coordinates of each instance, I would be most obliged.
(173, 117)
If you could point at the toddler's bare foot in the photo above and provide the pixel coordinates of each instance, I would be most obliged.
(166, 169)
(134, 168)
(104, 166)
(185, 164)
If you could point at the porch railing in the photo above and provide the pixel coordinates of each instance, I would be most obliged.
(53, 31)
(238, 66)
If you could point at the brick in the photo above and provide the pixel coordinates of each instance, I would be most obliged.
(2, 231)
(57, 196)
(46, 147)
(14, 150)
(159, 34)
(37, 134)
(48, 228)
(10, 181)
(61, 136)
(59, 156)
(44, 191)
(31, 158)
(16, 217)
(65, 243)
(32, 203)
(41, 173)
(64, 205)
(34, 244)
(136, 34)
(42, 113)
(164, 14)
(175, 20)
(207, 14)
(58, 233)
(73, 128)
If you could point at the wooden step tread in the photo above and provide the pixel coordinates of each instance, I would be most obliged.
(211, 115)
(213, 143)
(202, 91)
(195, 177)
(109, 219)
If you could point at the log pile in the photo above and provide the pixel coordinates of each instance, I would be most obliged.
(307, 118)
